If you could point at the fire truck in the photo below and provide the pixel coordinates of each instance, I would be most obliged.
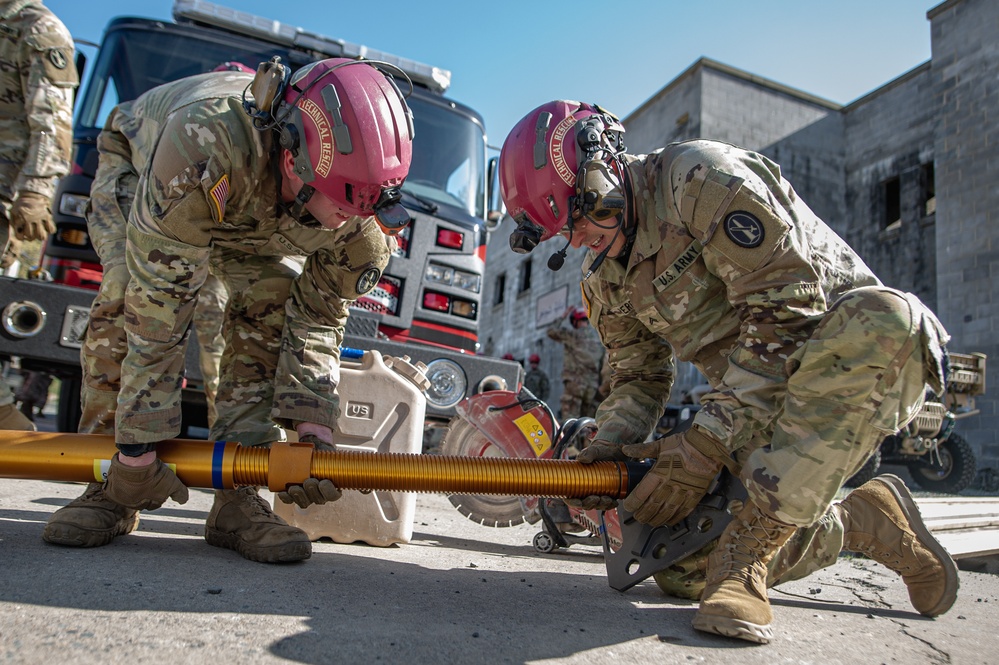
(428, 303)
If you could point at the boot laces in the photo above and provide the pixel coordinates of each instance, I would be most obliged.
(740, 555)
(255, 502)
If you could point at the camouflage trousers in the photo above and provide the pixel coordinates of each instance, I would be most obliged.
(133, 373)
(579, 399)
(861, 376)
(106, 343)
(209, 318)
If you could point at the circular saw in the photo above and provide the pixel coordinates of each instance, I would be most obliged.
(499, 423)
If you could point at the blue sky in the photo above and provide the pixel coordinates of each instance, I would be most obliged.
(508, 57)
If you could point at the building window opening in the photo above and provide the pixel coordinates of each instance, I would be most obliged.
(928, 189)
(892, 191)
(500, 289)
(525, 275)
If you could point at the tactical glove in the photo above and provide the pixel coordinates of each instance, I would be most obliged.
(679, 479)
(598, 451)
(31, 216)
(312, 490)
(143, 487)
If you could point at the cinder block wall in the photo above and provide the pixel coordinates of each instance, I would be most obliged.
(965, 72)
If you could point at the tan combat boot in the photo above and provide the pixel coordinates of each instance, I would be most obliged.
(242, 521)
(11, 418)
(882, 521)
(91, 520)
(735, 603)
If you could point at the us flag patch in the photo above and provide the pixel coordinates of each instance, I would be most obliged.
(219, 193)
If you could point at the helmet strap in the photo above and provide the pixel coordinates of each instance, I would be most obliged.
(602, 255)
(298, 205)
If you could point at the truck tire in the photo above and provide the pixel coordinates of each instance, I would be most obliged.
(954, 473)
(69, 411)
(866, 472)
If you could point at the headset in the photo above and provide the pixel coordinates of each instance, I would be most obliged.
(598, 198)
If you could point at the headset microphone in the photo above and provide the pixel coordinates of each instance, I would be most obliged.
(557, 260)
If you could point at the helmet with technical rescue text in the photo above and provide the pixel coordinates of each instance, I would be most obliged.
(557, 165)
(350, 133)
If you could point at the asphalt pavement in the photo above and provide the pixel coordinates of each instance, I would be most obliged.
(457, 593)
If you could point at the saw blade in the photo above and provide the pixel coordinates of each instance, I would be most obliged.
(486, 509)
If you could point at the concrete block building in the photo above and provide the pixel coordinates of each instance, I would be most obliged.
(908, 175)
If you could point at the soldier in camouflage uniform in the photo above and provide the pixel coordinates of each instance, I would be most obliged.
(536, 380)
(203, 185)
(37, 78)
(581, 358)
(703, 252)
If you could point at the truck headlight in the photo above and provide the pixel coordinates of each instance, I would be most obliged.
(447, 383)
(74, 205)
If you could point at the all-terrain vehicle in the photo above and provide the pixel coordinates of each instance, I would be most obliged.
(938, 458)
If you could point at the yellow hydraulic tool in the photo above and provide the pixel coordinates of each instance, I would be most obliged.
(226, 464)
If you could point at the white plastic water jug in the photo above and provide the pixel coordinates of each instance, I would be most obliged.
(382, 407)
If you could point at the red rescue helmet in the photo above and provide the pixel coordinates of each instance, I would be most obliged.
(351, 134)
(535, 359)
(507, 356)
(578, 315)
(543, 160)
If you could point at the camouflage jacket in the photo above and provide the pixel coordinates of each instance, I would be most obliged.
(37, 78)
(730, 271)
(207, 177)
(582, 353)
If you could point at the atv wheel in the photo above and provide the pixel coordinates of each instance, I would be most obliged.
(866, 472)
(544, 543)
(954, 472)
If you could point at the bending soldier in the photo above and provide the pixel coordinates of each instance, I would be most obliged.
(205, 180)
(703, 252)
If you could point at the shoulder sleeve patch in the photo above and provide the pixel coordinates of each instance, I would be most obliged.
(219, 194)
(368, 280)
(744, 229)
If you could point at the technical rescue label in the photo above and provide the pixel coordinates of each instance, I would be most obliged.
(535, 434)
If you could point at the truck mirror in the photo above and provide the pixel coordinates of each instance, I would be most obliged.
(496, 207)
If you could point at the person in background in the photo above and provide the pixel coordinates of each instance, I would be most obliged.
(702, 251)
(37, 79)
(536, 380)
(582, 354)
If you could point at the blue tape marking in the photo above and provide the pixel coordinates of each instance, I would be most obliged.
(351, 354)
(217, 454)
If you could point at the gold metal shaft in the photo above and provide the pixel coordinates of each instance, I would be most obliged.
(224, 465)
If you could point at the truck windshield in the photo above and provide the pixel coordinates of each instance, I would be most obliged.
(448, 158)
(448, 148)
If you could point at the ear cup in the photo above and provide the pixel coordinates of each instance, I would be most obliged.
(289, 138)
(267, 89)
